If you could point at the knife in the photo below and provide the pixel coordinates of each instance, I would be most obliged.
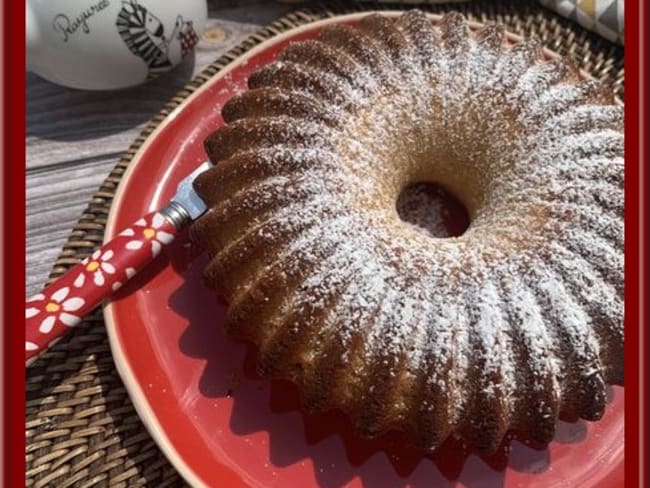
(61, 305)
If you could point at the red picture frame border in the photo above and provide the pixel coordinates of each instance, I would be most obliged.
(636, 118)
(13, 237)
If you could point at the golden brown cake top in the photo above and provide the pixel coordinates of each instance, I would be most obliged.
(506, 325)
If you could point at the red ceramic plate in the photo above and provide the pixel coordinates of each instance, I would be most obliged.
(218, 423)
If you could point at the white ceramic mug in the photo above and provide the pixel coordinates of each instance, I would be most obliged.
(109, 44)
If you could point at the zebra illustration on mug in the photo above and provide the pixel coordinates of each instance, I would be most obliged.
(144, 35)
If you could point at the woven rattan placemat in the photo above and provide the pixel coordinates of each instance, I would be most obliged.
(81, 428)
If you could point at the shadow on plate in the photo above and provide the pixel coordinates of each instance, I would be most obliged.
(327, 439)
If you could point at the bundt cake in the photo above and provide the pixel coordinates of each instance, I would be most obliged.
(503, 328)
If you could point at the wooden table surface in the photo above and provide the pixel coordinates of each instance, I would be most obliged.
(75, 137)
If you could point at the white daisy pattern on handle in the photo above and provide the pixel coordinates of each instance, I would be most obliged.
(144, 232)
(57, 306)
(64, 303)
(97, 264)
(34, 311)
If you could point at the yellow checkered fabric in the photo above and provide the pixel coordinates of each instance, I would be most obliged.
(605, 17)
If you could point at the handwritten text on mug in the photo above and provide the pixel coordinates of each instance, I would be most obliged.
(66, 27)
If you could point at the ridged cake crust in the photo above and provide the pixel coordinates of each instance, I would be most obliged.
(506, 327)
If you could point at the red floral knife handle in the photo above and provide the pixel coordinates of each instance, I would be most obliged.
(61, 305)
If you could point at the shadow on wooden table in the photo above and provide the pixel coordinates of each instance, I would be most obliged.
(65, 114)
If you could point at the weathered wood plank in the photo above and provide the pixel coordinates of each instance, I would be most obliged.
(75, 137)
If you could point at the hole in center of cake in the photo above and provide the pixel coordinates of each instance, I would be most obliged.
(432, 210)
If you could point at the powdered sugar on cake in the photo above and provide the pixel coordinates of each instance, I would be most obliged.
(522, 312)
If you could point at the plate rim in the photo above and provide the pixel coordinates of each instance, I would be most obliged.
(136, 393)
